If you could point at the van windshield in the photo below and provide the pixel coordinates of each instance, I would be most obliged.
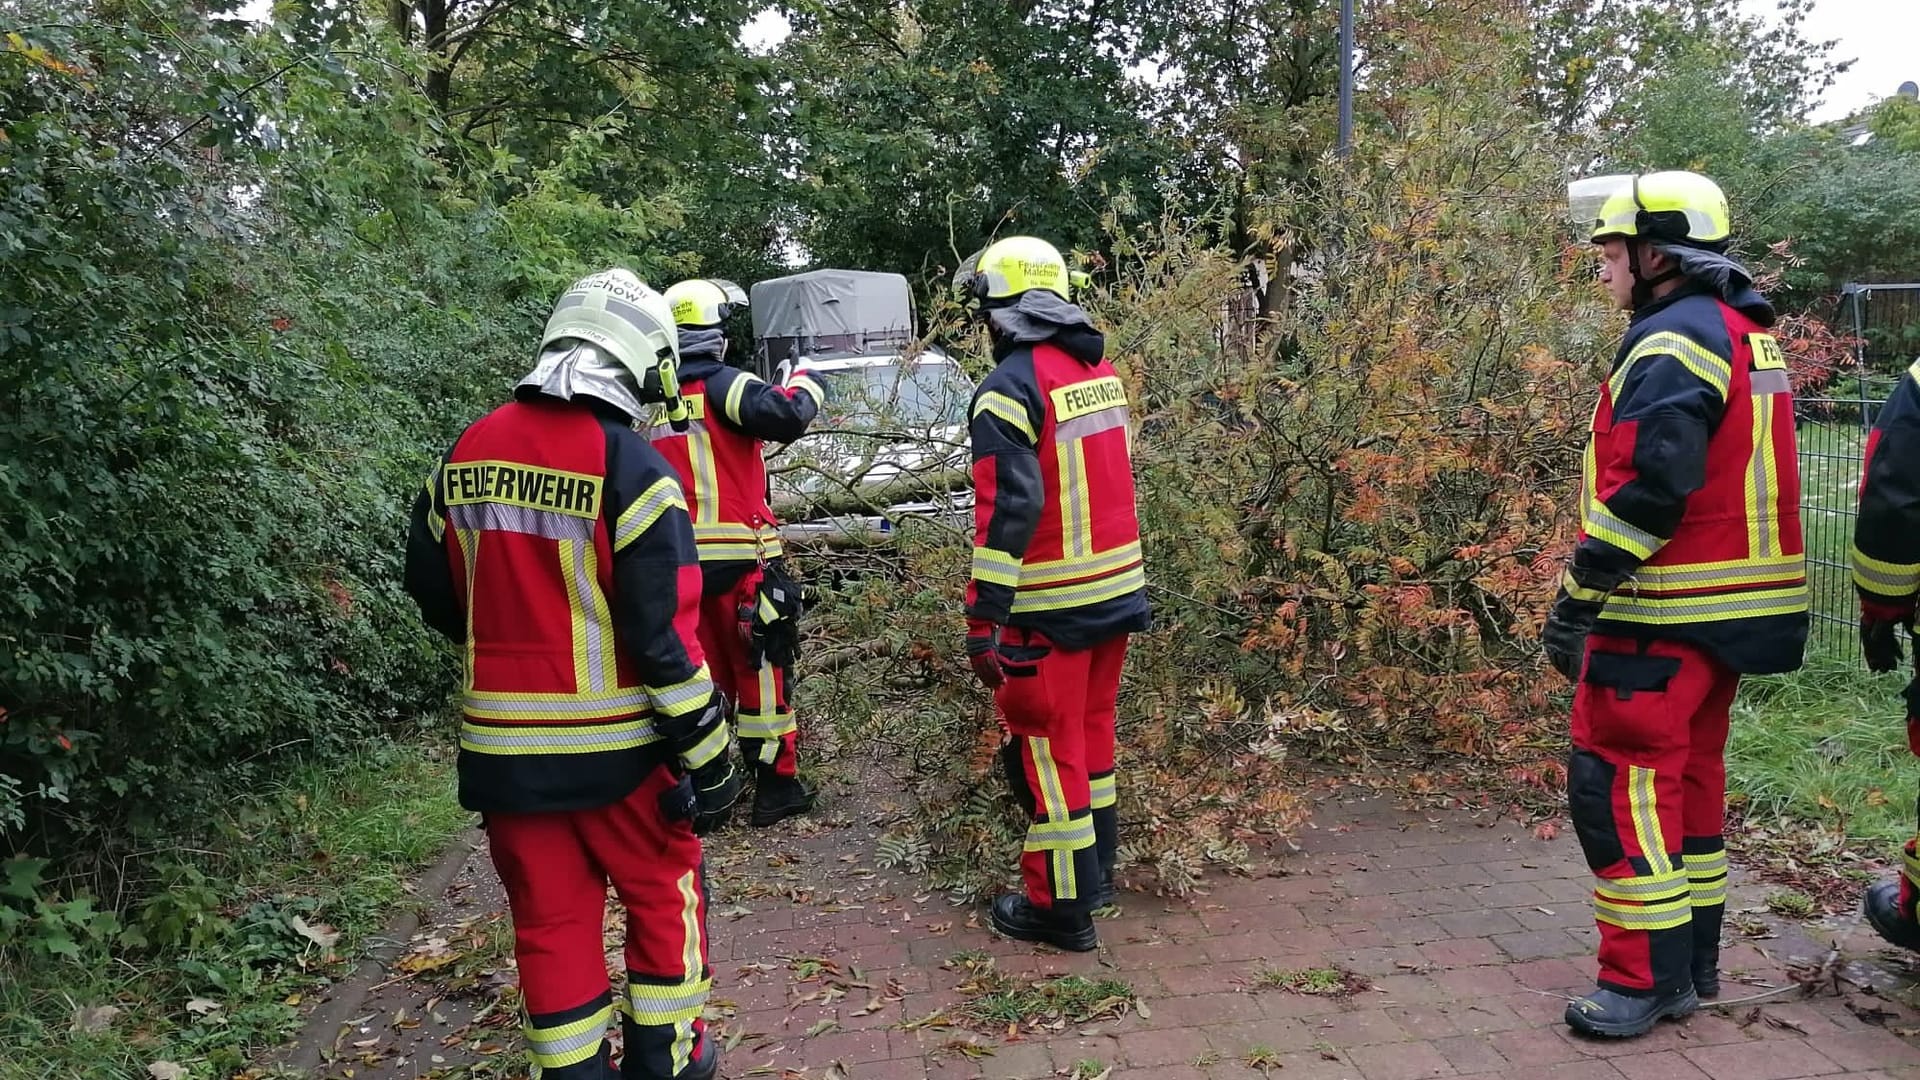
(896, 395)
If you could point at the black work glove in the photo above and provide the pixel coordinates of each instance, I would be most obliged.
(1879, 641)
(774, 631)
(1571, 619)
(716, 787)
(1565, 636)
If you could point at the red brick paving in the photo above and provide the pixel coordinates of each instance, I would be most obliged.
(1473, 932)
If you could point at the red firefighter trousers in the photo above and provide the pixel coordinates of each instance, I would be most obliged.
(769, 736)
(1646, 788)
(556, 867)
(1058, 707)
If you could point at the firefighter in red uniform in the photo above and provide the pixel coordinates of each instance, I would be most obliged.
(1057, 583)
(751, 605)
(1886, 571)
(552, 544)
(1689, 572)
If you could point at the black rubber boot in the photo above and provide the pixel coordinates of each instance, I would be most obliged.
(1883, 912)
(777, 798)
(1614, 1015)
(1015, 917)
(1706, 972)
(1104, 894)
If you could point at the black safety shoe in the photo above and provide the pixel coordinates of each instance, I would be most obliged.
(704, 1066)
(777, 798)
(1706, 972)
(1883, 911)
(1618, 1016)
(1015, 916)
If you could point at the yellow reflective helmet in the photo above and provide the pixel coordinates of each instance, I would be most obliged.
(1675, 207)
(704, 301)
(1007, 268)
(623, 316)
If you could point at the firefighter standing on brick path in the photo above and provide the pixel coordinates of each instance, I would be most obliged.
(1689, 573)
(553, 544)
(751, 605)
(1057, 578)
(1886, 572)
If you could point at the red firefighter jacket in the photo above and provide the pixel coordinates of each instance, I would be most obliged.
(1056, 539)
(1692, 485)
(718, 459)
(1886, 536)
(552, 544)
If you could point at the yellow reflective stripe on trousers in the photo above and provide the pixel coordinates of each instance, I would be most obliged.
(512, 739)
(1707, 878)
(693, 966)
(1713, 370)
(1642, 806)
(1601, 524)
(650, 1004)
(996, 567)
(1671, 885)
(1662, 610)
(647, 509)
(766, 725)
(1102, 792)
(567, 1044)
(588, 705)
(1085, 594)
(681, 698)
(1884, 578)
(1002, 407)
(1667, 915)
(1070, 835)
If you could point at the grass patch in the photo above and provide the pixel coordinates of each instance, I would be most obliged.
(1825, 746)
(1262, 1058)
(1325, 982)
(1000, 1002)
(1791, 903)
(227, 963)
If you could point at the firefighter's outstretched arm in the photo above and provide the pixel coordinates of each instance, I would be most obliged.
(1668, 394)
(429, 573)
(1886, 536)
(765, 411)
(1004, 433)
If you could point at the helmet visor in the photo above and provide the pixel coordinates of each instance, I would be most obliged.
(1602, 206)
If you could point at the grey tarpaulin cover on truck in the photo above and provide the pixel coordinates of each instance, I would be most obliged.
(830, 310)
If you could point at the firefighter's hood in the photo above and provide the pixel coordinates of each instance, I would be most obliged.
(1039, 315)
(1725, 277)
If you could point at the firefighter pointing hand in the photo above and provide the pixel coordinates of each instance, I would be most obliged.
(553, 545)
(1689, 572)
(1057, 581)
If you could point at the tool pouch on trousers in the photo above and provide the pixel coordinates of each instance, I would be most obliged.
(774, 634)
(1626, 674)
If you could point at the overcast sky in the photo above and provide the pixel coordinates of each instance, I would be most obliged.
(1881, 36)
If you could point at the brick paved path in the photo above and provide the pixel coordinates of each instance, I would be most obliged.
(1471, 930)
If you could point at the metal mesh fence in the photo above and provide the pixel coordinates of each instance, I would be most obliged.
(1832, 433)
(1832, 437)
